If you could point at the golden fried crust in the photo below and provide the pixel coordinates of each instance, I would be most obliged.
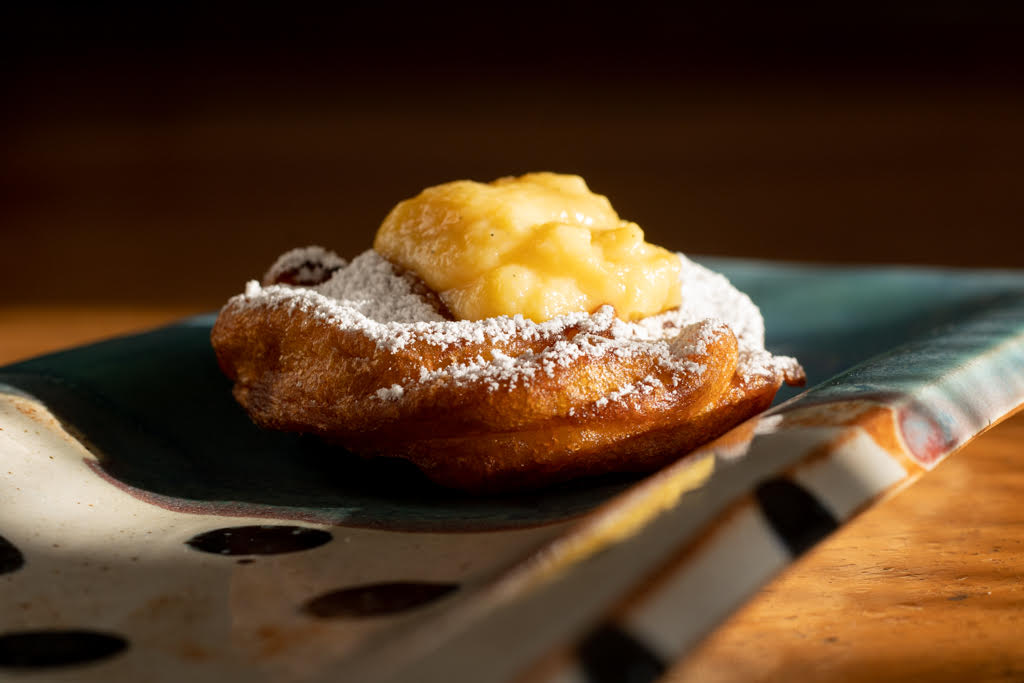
(296, 372)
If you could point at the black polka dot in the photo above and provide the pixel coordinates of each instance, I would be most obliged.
(610, 654)
(376, 599)
(10, 557)
(798, 518)
(36, 649)
(263, 539)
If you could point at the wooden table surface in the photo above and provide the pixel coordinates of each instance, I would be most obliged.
(926, 586)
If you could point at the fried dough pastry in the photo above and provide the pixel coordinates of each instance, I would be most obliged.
(365, 355)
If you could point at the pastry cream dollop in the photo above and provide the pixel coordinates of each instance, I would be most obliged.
(539, 245)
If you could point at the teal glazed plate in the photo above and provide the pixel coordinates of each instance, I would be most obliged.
(148, 531)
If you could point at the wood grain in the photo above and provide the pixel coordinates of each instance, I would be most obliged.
(926, 586)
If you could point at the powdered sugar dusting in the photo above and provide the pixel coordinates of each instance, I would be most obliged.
(368, 297)
(370, 286)
(392, 393)
(304, 264)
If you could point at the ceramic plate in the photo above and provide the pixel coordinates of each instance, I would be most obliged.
(148, 531)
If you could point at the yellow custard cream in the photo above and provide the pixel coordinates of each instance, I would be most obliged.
(540, 245)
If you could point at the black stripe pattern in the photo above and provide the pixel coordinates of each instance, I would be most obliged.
(797, 517)
(611, 655)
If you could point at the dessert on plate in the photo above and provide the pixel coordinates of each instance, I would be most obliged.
(501, 336)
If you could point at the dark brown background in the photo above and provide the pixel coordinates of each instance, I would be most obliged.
(165, 156)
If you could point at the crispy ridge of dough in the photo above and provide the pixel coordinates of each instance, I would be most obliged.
(296, 371)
